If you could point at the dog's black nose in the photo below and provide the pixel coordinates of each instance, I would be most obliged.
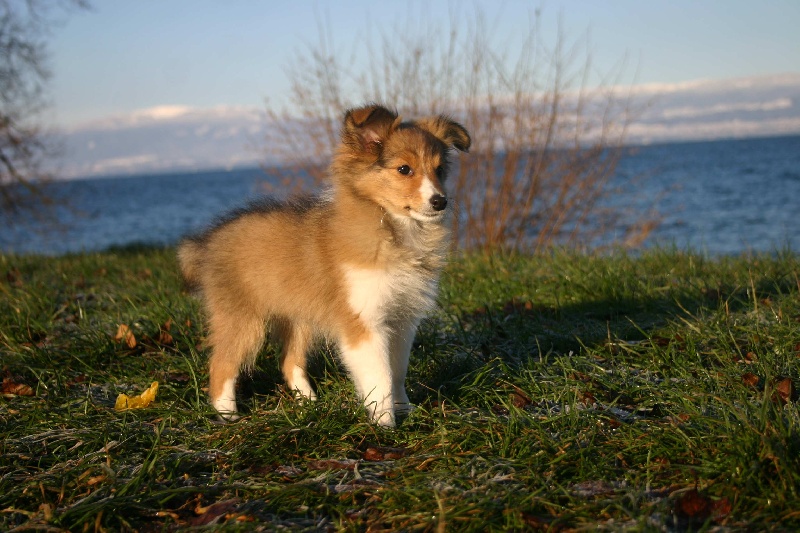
(438, 202)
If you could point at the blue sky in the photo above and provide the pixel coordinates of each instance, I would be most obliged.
(122, 56)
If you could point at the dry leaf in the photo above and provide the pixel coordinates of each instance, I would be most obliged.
(214, 512)
(784, 391)
(137, 402)
(13, 388)
(333, 464)
(125, 334)
(519, 398)
(383, 453)
(750, 379)
(164, 338)
(692, 504)
(698, 508)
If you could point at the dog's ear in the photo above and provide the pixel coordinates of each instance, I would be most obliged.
(367, 127)
(448, 131)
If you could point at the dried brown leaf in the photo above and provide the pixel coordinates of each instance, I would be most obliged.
(519, 398)
(214, 512)
(693, 505)
(698, 508)
(384, 453)
(332, 464)
(125, 334)
(784, 391)
(750, 379)
(14, 388)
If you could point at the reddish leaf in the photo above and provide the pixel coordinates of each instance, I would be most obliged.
(519, 398)
(14, 388)
(784, 391)
(698, 508)
(750, 379)
(384, 453)
(164, 336)
(693, 505)
(721, 508)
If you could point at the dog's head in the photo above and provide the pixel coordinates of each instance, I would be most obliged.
(402, 166)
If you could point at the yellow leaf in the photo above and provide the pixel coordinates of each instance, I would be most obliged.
(137, 402)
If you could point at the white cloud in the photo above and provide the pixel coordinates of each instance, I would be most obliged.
(696, 111)
(183, 137)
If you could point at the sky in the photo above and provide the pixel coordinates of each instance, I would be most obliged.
(122, 56)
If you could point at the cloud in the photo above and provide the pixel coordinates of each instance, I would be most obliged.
(177, 137)
(695, 111)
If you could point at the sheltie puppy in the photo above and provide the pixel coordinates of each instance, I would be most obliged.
(358, 265)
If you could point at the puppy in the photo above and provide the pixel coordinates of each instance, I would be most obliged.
(359, 265)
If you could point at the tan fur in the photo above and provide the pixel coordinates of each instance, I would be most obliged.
(296, 268)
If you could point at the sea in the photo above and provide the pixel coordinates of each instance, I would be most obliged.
(724, 197)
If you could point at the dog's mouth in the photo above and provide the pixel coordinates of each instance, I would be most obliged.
(423, 216)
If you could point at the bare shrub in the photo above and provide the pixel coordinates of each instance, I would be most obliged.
(545, 143)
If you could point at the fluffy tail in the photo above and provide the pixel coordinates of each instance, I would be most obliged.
(190, 258)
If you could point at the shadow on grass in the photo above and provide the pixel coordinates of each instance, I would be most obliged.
(451, 351)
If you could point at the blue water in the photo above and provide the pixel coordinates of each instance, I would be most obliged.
(720, 197)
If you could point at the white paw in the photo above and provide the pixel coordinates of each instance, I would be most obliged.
(226, 408)
(301, 385)
(381, 415)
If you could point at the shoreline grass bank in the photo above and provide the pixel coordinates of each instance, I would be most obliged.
(554, 392)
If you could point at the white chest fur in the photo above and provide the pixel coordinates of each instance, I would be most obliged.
(382, 295)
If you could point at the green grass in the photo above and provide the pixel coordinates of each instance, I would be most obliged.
(654, 392)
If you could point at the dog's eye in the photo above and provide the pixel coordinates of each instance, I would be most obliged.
(405, 170)
(439, 171)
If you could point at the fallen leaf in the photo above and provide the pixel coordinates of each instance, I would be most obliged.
(693, 505)
(698, 508)
(750, 379)
(13, 388)
(384, 453)
(124, 334)
(333, 464)
(214, 512)
(164, 338)
(519, 398)
(137, 402)
(784, 391)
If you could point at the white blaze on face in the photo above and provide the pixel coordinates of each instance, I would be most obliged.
(426, 191)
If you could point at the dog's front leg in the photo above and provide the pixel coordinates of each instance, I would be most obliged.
(400, 352)
(368, 362)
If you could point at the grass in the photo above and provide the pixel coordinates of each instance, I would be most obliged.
(558, 392)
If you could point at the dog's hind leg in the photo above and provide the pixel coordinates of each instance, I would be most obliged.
(296, 339)
(235, 341)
